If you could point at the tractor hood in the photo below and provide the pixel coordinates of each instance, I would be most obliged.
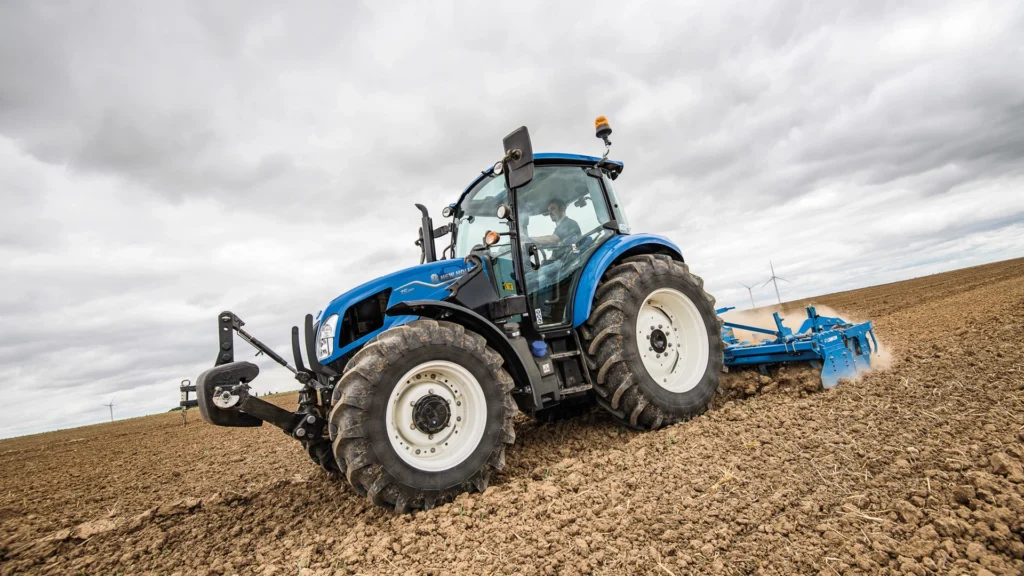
(359, 311)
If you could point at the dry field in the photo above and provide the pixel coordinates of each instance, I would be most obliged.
(913, 470)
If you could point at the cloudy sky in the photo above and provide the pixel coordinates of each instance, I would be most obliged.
(163, 161)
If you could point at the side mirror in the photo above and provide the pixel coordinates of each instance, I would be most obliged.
(518, 158)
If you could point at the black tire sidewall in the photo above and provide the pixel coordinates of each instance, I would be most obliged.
(698, 397)
(376, 427)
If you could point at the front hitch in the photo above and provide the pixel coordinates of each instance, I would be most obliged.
(225, 398)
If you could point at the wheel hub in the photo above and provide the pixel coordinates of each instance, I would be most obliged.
(431, 414)
(658, 341)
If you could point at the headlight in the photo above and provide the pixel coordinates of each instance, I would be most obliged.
(325, 338)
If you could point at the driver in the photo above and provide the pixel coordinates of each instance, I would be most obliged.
(566, 231)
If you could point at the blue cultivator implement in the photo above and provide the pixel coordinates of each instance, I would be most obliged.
(837, 347)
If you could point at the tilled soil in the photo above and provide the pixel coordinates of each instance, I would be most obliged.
(912, 470)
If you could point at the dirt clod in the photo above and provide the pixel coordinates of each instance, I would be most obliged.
(1005, 466)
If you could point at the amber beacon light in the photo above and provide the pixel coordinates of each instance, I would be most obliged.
(602, 127)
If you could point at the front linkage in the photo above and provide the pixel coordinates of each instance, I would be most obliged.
(225, 398)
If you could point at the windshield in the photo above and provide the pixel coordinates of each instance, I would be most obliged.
(478, 215)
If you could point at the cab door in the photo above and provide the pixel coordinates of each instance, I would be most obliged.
(557, 243)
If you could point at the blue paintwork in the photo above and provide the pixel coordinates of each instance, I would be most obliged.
(602, 258)
(423, 282)
(843, 349)
(546, 159)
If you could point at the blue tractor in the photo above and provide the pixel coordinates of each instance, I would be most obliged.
(542, 301)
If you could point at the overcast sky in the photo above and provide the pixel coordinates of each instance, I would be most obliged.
(163, 161)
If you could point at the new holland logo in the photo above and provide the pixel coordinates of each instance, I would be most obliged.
(435, 278)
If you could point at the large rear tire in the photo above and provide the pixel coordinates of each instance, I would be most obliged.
(422, 414)
(654, 341)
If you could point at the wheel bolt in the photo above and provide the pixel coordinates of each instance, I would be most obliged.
(431, 450)
(430, 391)
(458, 418)
(412, 402)
(430, 437)
(458, 402)
(417, 450)
(412, 426)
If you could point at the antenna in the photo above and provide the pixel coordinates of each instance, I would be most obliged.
(750, 290)
(111, 406)
(773, 280)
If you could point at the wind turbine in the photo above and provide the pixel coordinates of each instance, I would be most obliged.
(111, 406)
(773, 281)
(750, 290)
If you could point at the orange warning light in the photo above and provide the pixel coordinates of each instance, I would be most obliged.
(602, 128)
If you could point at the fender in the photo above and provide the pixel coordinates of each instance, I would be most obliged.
(614, 249)
(523, 371)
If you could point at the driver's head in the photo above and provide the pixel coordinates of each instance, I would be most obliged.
(556, 209)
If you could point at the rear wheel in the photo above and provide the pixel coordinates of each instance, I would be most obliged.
(422, 414)
(655, 342)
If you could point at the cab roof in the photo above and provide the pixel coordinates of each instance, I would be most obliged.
(548, 158)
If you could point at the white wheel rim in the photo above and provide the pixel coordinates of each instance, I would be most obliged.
(467, 407)
(672, 339)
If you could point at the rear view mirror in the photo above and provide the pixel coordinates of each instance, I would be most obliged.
(518, 158)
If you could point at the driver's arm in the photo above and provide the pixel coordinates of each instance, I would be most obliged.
(547, 240)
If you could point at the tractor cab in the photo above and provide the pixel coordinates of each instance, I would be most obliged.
(549, 226)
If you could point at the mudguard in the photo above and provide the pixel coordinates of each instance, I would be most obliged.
(523, 371)
(615, 248)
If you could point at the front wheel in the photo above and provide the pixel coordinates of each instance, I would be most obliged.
(422, 414)
(655, 342)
